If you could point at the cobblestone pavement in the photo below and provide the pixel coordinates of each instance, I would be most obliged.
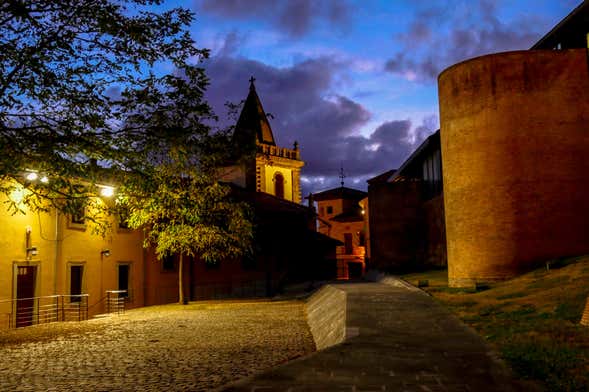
(195, 347)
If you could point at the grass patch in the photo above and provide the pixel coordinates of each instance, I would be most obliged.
(532, 321)
(512, 295)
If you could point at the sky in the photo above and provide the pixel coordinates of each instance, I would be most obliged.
(354, 82)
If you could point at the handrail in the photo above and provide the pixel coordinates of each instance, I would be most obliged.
(43, 297)
(46, 309)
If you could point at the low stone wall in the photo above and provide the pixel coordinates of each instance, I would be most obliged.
(326, 315)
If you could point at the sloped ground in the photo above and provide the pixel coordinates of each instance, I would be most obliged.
(532, 320)
(199, 346)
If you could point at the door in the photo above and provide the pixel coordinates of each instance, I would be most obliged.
(76, 275)
(25, 291)
(354, 270)
(124, 279)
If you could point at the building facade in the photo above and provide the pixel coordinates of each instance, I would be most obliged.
(514, 133)
(406, 213)
(48, 254)
(341, 217)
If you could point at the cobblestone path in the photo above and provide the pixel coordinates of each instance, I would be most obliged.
(196, 347)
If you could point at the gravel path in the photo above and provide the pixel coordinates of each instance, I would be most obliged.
(198, 347)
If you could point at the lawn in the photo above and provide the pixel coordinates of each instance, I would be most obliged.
(532, 320)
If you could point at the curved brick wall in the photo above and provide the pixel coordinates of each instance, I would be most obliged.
(515, 152)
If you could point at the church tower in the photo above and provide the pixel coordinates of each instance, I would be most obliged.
(277, 170)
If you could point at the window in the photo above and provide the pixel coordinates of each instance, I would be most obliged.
(348, 243)
(77, 217)
(123, 215)
(279, 185)
(76, 275)
(124, 270)
(329, 209)
(169, 263)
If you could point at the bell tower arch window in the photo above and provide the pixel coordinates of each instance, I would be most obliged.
(279, 185)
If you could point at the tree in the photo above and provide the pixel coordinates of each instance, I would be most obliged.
(72, 73)
(83, 101)
(189, 213)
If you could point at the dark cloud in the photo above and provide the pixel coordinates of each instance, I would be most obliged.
(468, 30)
(326, 125)
(294, 17)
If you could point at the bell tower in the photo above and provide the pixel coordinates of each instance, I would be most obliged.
(277, 170)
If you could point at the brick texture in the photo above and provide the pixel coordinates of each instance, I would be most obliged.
(515, 136)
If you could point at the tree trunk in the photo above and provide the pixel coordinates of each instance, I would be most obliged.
(180, 281)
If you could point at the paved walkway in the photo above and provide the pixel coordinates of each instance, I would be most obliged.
(196, 347)
(404, 342)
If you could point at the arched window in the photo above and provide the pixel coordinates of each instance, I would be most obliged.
(279, 185)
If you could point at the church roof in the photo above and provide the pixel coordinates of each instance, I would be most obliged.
(253, 121)
(339, 193)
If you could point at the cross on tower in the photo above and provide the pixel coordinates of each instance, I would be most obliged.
(252, 80)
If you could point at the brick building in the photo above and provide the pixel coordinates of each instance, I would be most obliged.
(514, 142)
(406, 213)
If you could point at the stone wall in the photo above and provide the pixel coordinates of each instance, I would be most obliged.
(515, 137)
(326, 315)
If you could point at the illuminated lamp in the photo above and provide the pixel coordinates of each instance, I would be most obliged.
(107, 191)
(44, 179)
(32, 176)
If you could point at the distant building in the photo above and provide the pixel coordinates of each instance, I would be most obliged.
(341, 217)
(406, 213)
(514, 137)
(570, 33)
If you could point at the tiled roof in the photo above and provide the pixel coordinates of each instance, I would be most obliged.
(253, 121)
(339, 193)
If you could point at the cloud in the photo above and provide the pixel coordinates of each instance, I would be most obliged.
(326, 125)
(293, 17)
(470, 29)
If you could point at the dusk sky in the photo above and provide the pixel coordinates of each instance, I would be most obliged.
(354, 82)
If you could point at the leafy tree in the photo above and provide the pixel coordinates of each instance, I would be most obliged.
(83, 101)
(72, 72)
(186, 211)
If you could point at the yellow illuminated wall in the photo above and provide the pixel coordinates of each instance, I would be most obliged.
(59, 245)
(270, 173)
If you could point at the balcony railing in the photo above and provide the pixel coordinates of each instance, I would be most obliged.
(279, 151)
(358, 251)
(24, 312)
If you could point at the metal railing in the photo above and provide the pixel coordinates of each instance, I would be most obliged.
(115, 301)
(25, 312)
